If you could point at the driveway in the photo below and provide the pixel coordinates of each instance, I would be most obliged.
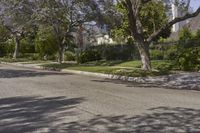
(37, 101)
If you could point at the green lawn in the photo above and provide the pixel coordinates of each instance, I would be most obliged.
(23, 61)
(126, 68)
(10, 60)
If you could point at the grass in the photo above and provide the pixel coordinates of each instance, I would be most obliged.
(125, 68)
(11, 60)
(23, 61)
(36, 62)
(134, 64)
(120, 71)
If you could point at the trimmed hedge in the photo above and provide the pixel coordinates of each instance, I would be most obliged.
(89, 55)
(108, 52)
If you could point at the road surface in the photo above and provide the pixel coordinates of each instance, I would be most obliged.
(37, 101)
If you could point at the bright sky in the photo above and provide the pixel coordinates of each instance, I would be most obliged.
(195, 4)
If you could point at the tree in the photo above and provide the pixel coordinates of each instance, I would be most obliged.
(137, 28)
(4, 34)
(152, 16)
(45, 42)
(16, 17)
(121, 31)
(64, 16)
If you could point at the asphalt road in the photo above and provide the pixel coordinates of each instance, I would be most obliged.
(51, 102)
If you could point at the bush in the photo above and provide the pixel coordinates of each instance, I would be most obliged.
(6, 49)
(197, 36)
(164, 67)
(117, 52)
(30, 56)
(51, 57)
(26, 46)
(69, 56)
(156, 55)
(185, 34)
(3, 50)
(170, 53)
(89, 55)
(45, 43)
(35, 56)
(189, 59)
(188, 51)
(186, 38)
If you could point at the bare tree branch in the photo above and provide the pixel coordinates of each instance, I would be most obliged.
(171, 23)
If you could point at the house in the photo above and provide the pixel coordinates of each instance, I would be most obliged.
(91, 33)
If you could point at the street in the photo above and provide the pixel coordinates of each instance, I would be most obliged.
(39, 101)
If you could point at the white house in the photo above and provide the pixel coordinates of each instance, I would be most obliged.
(91, 33)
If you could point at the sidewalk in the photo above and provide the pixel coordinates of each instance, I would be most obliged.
(189, 81)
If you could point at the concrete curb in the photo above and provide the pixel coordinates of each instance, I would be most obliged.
(108, 76)
(168, 81)
(92, 74)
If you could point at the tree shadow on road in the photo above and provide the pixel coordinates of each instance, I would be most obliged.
(30, 114)
(48, 115)
(172, 84)
(14, 73)
(160, 120)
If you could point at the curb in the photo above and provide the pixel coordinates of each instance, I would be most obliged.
(92, 74)
(108, 76)
(161, 81)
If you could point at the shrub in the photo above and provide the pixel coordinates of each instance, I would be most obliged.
(3, 50)
(69, 56)
(26, 46)
(189, 59)
(163, 67)
(7, 48)
(35, 56)
(185, 38)
(170, 53)
(89, 55)
(185, 34)
(51, 57)
(121, 52)
(31, 56)
(45, 43)
(188, 51)
(197, 36)
(156, 55)
(117, 52)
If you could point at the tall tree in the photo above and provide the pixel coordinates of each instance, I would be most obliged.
(16, 17)
(138, 30)
(4, 34)
(152, 16)
(64, 16)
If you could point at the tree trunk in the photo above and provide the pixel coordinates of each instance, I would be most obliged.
(145, 55)
(17, 44)
(60, 54)
(63, 54)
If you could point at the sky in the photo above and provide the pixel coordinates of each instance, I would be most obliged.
(195, 4)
